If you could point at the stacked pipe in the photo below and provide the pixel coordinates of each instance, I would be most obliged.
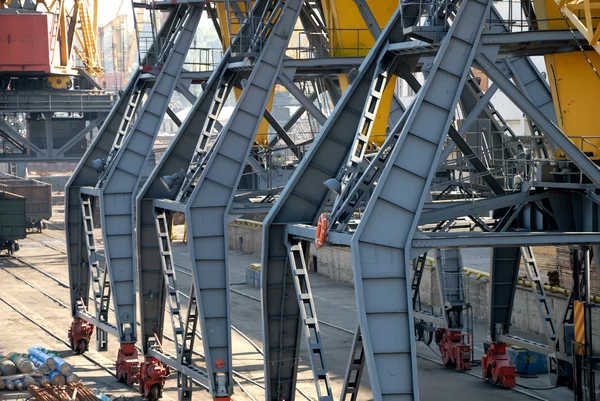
(70, 392)
(38, 368)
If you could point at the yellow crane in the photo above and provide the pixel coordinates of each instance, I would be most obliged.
(73, 31)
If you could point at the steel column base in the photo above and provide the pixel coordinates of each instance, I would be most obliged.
(128, 364)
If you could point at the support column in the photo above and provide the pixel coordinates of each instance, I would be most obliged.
(210, 200)
(49, 137)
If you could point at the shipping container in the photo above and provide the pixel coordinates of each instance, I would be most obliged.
(12, 221)
(38, 198)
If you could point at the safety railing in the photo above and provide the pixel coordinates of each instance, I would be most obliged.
(150, 48)
(520, 16)
(432, 13)
(589, 145)
(311, 44)
(321, 43)
(200, 59)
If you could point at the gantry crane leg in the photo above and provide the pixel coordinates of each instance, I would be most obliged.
(109, 175)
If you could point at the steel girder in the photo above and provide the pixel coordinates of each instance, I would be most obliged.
(209, 204)
(111, 170)
(205, 195)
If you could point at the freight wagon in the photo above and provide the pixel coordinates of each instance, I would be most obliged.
(38, 198)
(12, 221)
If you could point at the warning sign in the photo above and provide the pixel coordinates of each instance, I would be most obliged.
(579, 323)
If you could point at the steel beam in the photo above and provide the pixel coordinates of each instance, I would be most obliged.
(93, 124)
(192, 137)
(301, 202)
(281, 133)
(503, 239)
(15, 136)
(381, 259)
(210, 202)
(480, 206)
(560, 139)
(301, 97)
(503, 278)
(55, 101)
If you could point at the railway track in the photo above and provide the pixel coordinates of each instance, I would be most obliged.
(183, 270)
(64, 305)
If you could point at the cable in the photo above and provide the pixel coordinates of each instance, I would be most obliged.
(536, 388)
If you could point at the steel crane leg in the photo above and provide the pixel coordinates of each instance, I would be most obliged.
(112, 171)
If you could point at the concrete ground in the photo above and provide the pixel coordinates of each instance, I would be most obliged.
(334, 302)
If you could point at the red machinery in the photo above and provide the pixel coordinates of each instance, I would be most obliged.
(152, 378)
(80, 334)
(496, 367)
(128, 365)
(455, 353)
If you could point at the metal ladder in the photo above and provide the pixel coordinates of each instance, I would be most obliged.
(128, 116)
(168, 270)
(236, 15)
(200, 154)
(268, 19)
(308, 313)
(101, 290)
(89, 41)
(90, 242)
(418, 268)
(356, 367)
(449, 263)
(538, 290)
(184, 383)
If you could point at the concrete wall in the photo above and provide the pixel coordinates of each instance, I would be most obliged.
(336, 263)
(245, 237)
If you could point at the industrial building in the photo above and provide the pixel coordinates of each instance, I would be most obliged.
(283, 199)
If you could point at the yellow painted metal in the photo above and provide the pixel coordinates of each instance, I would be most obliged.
(59, 82)
(350, 37)
(262, 135)
(573, 83)
(581, 14)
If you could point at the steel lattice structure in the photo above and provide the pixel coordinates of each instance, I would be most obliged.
(381, 204)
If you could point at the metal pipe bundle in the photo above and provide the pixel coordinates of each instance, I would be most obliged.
(57, 378)
(39, 365)
(7, 367)
(28, 381)
(59, 364)
(44, 356)
(10, 385)
(73, 378)
(23, 364)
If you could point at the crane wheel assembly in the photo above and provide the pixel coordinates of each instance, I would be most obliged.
(152, 378)
(455, 353)
(79, 335)
(128, 364)
(496, 367)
